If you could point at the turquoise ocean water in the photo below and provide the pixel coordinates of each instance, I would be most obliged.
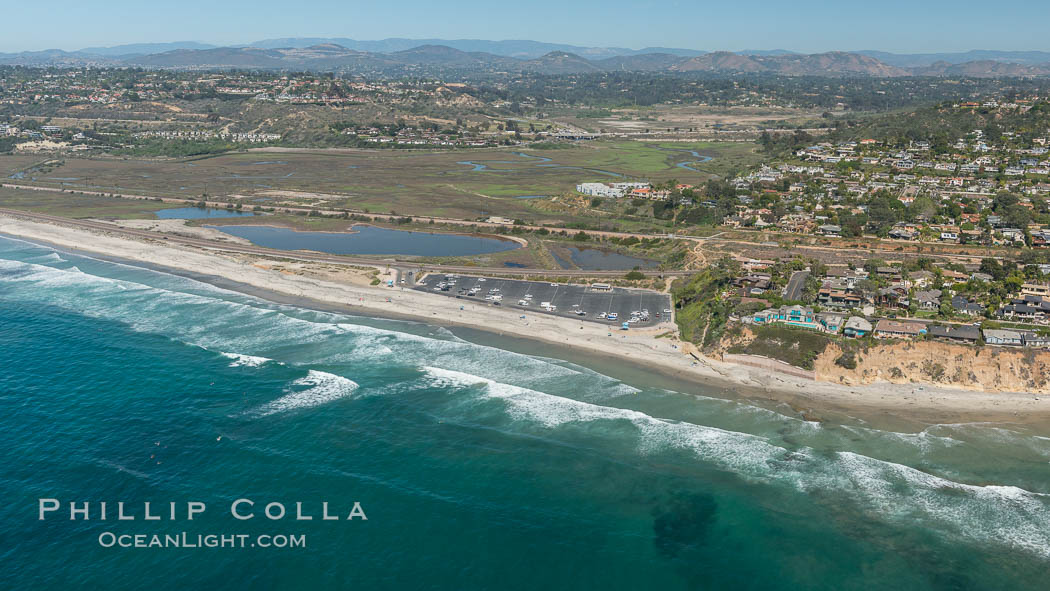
(478, 467)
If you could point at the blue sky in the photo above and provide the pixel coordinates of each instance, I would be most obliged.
(806, 25)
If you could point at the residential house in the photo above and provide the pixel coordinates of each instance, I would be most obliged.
(1003, 337)
(831, 321)
(922, 278)
(834, 298)
(856, 327)
(961, 305)
(801, 316)
(958, 334)
(928, 300)
(886, 328)
(888, 272)
(753, 284)
(1034, 339)
(830, 230)
(1019, 311)
(1035, 289)
(893, 297)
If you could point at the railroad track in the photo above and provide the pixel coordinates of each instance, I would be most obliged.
(309, 255)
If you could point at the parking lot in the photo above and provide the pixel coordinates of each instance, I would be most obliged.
(612, 306)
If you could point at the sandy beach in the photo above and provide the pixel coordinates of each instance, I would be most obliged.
(348, 288)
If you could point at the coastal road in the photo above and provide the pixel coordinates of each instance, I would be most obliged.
(795, 285)
(311, 256)
(475, 226)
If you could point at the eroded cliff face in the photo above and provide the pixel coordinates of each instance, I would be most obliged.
(928, 362)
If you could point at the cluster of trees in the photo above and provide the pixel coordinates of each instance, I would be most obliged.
(178, 149)
(702, 312)
(943, 124)
(781, 144)
(623, 89)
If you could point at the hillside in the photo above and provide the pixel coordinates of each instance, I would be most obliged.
(395, 59)
(943, 124)
(649, 62)
(560, 62)
(821, 64)
(983, 68)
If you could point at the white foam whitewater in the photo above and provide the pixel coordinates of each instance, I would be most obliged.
(985, 514)
(322, 388)
(240, 360)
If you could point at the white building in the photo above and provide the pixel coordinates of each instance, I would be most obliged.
(599, 190)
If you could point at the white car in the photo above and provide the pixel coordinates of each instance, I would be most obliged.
(601, 316)
(667, 310)
(554, 285)
(481, 279)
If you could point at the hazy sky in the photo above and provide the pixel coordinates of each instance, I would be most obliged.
(806, 25)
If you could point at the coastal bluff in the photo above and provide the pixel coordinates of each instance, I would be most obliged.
(864, 362)
(986, 368)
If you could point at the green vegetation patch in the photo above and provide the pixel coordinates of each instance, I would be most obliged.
(793, 346)
(702, 312)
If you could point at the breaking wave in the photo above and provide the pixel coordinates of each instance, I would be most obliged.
(1007, 514)
(240, 360)
(322, 388)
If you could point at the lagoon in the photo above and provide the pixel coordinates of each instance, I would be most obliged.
(371, 240)
(197, 213)
(593, 259)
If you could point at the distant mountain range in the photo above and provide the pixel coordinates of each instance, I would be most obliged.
(977, 55)
(836, 63)
(393, 56)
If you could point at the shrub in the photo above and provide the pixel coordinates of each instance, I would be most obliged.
(847, 360)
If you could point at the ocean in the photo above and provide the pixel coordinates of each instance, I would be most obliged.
(478, 465)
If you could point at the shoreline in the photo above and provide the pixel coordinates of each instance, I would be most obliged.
(640, 348)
